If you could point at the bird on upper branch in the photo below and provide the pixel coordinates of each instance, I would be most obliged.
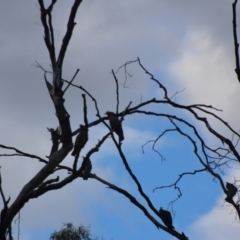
(55, 139)
(81, 140)
(232, 190)
(166, 218)
(115, 124)
(87, 169)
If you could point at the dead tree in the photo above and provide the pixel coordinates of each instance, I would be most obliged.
(213, 160)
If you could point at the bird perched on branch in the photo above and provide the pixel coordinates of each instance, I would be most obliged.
(115, 124)
(166, 218)
(81, 140)
(232, 190)
(87, 169)
(55, 139)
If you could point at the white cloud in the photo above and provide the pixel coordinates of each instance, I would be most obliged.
(206, 70)
(220, 224)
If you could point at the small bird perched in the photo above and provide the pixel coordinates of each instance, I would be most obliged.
(115, 124)
(232, 190)
(166, 218)
(81, 140)
(55, 139)
(87, 169)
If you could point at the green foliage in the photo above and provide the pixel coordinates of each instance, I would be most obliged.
(69, 232)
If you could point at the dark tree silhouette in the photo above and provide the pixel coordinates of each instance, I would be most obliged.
(212, 159)
(70, 232)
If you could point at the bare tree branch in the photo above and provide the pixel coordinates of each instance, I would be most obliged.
(236, 44)
(71, 81)
(69, 32)
(140, 206)
(117, 90)
(24, 154)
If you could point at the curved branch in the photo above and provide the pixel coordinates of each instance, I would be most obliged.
(23, 154)
(141, 207)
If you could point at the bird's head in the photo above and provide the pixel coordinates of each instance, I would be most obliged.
(51, 130)
(109, 114)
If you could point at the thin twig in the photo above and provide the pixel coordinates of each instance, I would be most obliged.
(69, 83)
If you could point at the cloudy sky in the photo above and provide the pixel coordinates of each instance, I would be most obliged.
(187, 45)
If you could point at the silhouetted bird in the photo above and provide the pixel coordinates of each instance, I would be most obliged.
(81, 140)
(166, 218)
(232, 190)
(115, 124)
(87, 169)
(55, 139)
